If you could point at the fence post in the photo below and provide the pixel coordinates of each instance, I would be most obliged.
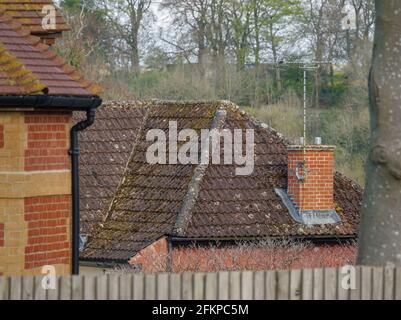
(398, 284)
(389, 283)
(260, 286)
(307, 284)
(330, 284)
(65, 288)
(27, 288)
(235, 285)
(113, 287)
(223, 285)
(101, 288)
(138, 286)
(15, 288)
(283, 285)
(90, 288)
(187, 286)
(247, 285)
(367, 286)
(378, 284)
(296, 284)
(199, 286)
(344, 293)
(175, 286)
(211, 286)
(271, 285)
(150, 286)
(355, 294)
(162, 286)
(318, 284)
(77, 288)
(4, 288)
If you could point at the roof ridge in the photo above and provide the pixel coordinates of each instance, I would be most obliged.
(185, 213)
(61, 63)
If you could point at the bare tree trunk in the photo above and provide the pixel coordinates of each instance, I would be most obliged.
(135, 68)
(202, 48)
(257, 33)
(380, 234)
(275, 57)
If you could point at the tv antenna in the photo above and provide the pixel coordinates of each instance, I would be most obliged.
(305, 66)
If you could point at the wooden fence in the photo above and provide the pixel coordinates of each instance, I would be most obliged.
(317, 284)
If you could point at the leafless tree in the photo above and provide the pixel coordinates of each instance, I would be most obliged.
(364, 17)
(192, 14)
(323, 24)
(127, 17)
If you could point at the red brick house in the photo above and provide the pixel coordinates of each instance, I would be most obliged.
(134, 213)
(39, 92)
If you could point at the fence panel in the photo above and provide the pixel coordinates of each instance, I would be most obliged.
(330, 284)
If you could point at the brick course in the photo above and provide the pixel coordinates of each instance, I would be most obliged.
(1, 235)
(1, 136)
(317, 191)
(48, 141)
(48, 221)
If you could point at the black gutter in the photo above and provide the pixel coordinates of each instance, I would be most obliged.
(50, 102)
(329, 239)
(74, 152)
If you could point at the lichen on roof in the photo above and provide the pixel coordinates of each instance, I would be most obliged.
(16, 75)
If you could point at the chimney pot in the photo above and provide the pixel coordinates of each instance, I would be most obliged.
(318, 141)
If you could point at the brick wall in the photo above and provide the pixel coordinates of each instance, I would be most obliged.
(48, 136)
(35, 192)
(1, 235)
(1, 136)
(153, 258)
(316, 192)
(48, 221)
(186, 258)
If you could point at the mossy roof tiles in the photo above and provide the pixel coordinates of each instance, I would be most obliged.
(29, 67)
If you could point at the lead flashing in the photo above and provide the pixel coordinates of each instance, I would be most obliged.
(312, 217)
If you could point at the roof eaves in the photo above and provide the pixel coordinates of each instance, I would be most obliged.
(76, 103)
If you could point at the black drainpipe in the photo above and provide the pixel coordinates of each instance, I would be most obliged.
(74, 152)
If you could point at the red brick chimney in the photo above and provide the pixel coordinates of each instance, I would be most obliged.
(311, 177)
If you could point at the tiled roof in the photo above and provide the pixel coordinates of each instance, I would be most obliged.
(105, 150)
(29, 67)
(29, 14)
(151, 198)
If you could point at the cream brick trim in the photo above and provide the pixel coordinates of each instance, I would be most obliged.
(17, 185)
